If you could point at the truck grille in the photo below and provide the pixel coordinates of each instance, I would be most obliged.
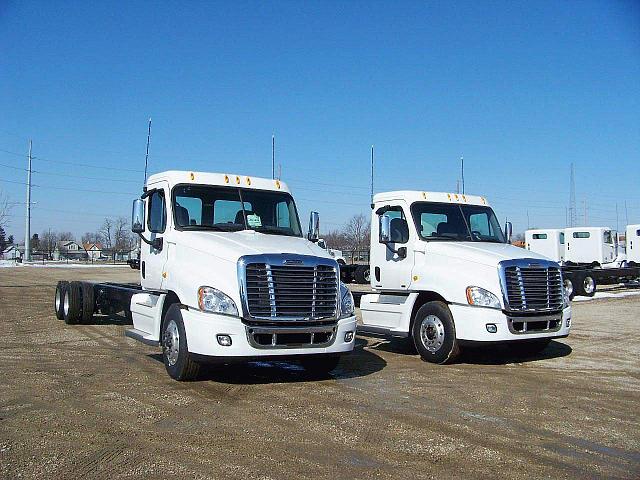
(533, 287)
(291, 292)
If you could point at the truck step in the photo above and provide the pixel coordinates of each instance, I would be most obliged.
(141, 337)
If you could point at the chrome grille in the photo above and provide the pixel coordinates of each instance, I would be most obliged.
(291, 292)
(533, 286)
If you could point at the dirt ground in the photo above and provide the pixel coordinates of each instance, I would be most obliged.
(86, 402)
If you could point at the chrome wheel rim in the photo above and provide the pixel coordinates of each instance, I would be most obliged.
(589, 285)
(58, 299)
(367, 275)
(171, 343)
(65, 305)
(568, 287)
(432, 333)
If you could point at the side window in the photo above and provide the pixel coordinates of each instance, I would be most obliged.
(157, 212)
(540, 236)
(561, 238)
(283, 215)
(581, 235)
(608, 238)
(399, 227)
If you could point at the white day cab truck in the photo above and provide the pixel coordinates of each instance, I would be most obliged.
(225, 275)
(589, 256)
(443, 273)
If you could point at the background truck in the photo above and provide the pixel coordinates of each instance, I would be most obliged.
(443, 273)
(225, 274)
(589, 256)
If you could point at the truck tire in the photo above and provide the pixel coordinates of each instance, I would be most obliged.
(72, 304)
(362, 274)
(587, 286)
(320, 364)
(175, 353)
(434, 333)
(58, 302)
(569, 287)
(88, 302)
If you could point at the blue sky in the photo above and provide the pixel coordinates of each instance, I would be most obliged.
(522, 89)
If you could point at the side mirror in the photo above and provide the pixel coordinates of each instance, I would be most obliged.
(137, 216)
(508, 231)
(385, 229)
(314, 227)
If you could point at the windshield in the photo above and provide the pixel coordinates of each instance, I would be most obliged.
(455, 222)
(230, 209)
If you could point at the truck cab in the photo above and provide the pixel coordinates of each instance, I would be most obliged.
(443, 273)
(227, 274)
(591, 246)
(548, 242)
(632, 238)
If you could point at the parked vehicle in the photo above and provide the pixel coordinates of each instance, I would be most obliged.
(547, 242)
(225, 274)
(336, 254)
(444, 273)
(593, 256)
(633, 244)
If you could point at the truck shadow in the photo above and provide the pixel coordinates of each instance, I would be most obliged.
(359, 363)
(498, 354)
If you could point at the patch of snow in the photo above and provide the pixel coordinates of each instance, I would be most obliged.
(599, 295)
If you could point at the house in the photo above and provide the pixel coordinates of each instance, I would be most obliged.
(12, 252)
(93, 250)
(68, 250)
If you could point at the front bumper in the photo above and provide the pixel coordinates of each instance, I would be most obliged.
(202, 330)
(471, 325)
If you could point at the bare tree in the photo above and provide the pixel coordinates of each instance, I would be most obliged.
(336, 239)
(5, 208)
(123, 242)
(357, 232)
(106, 235)
(48, 241)
(91, 237)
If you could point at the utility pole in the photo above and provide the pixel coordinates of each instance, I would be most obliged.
(626, 212)
(572, 200)
(273, 156)
(617, 217)
(372, 159)
(27, 230)
(462, 169)
(584, 204)
(528, 226)
(146, 157)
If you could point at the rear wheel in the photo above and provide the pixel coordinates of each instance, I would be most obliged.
(58, 303)
(88, 302)
(362, 274)
(568, 287)
(72, 303)
(175, 353)
(434, 333)
(586, 286)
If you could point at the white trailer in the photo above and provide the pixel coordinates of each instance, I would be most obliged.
(633, 244)
(443, 272)
(590, 245)
(548, 242)
(225, 275)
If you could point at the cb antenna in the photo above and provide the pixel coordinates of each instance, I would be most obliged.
(146, 157)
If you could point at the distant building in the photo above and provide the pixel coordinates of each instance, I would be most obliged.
(68, 250)
(12, 252)
(93, 250)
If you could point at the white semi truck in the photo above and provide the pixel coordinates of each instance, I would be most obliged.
(632, 238)
(442, 272)
(225, 274)
(589, 256)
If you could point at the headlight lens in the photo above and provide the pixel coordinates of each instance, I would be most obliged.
(565, 297)
(214, 301)
(480, 297)
(347, 306)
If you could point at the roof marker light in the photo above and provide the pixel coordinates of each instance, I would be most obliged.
(237, 180)
(193, 177)
(278, 184)
(226, 179)
(248, 181)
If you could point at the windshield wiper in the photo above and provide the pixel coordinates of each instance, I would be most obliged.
(219, 227)
(274, 230)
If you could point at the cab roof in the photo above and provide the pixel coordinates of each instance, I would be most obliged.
(175, 177)
(411, 196)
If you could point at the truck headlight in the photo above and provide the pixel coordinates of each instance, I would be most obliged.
(565, 297)
(480, 297)
(214, 301)
(347, 306)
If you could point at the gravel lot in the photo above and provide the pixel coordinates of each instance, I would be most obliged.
(86, 402)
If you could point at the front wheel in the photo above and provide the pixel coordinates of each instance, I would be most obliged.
(175, 353)
(434, 333)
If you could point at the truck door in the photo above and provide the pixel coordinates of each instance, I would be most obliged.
(388, 269)
(609, 248)
(153, 260)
